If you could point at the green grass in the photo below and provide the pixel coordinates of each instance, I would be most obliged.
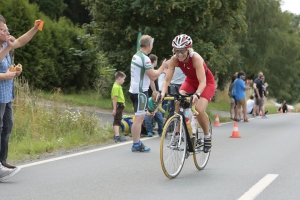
(87, 98)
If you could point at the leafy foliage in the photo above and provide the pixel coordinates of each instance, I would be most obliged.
(54, 58)
(116, 24)
(271, 45)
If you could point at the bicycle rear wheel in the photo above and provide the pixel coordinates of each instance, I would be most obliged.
(201, 158)
(172, 147)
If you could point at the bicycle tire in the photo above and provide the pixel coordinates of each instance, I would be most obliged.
(201, 158)
(172, 149)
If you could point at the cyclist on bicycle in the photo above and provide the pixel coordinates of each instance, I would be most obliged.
(199, 80)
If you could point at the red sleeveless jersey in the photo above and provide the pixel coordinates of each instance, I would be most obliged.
(190, 71)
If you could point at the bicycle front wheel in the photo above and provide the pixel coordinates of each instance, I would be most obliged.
(201, 158)
(172, 147)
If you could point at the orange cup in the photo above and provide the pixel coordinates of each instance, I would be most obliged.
(40, 25)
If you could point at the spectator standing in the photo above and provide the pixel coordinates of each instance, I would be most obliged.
(141, 74)
(153, 84)
(8, 43)
(232, 101)
(256, 107)
(118, 102)
(259, 96)
(239, 89)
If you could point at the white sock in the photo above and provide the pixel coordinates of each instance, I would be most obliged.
(207, 136)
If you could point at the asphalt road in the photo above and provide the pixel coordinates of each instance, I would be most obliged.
(262, 164)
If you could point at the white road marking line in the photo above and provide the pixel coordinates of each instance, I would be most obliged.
(253, 192)
(79, 153)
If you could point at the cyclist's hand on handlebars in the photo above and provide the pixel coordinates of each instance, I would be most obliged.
(195, 98)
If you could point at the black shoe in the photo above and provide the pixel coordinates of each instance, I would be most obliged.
(266, 112)
(8, 165)
(207, 145)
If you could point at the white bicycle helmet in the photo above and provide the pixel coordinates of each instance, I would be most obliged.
(182, 41)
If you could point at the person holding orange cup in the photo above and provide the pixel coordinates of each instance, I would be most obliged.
(7, 44)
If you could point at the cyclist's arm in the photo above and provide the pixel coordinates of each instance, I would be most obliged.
(171, 68)
(198, 65)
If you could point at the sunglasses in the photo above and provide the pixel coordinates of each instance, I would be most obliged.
(178, 51)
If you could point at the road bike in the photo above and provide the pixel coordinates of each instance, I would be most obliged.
(177, 143)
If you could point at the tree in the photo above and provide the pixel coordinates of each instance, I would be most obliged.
(55, 57)
(53, 9)
(271, 45)
(211, 24)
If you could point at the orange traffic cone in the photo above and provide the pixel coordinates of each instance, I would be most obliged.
(217, 122)
(235, 132)
(281, 111)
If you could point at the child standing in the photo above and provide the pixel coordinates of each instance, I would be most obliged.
(153, 112)
(118, 102)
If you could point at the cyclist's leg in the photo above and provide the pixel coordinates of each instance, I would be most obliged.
(202, 117)
(200, 156)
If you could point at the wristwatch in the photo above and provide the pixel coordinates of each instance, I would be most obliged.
(198, 95)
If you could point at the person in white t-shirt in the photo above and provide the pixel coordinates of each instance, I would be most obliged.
(250, 104)
(141, 73)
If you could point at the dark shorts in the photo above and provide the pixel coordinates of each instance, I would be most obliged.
(140, 102)
(118, 116)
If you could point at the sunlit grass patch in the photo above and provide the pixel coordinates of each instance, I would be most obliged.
(40, 129)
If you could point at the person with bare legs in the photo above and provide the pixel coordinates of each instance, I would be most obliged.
(199, 80)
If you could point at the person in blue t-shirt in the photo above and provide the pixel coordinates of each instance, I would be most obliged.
(153, 111)
(240, 96)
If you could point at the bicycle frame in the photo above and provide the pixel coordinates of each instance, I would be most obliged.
(189, 141)
(182, 99)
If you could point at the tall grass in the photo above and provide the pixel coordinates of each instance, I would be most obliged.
(40, 128)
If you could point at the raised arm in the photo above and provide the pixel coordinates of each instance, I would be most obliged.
(25, 38)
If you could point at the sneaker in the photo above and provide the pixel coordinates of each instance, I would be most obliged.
(207, 145)
(246, 120)
(141, 148)
(150, 134)
(176, 139)
(119, 138)
(6, 173)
